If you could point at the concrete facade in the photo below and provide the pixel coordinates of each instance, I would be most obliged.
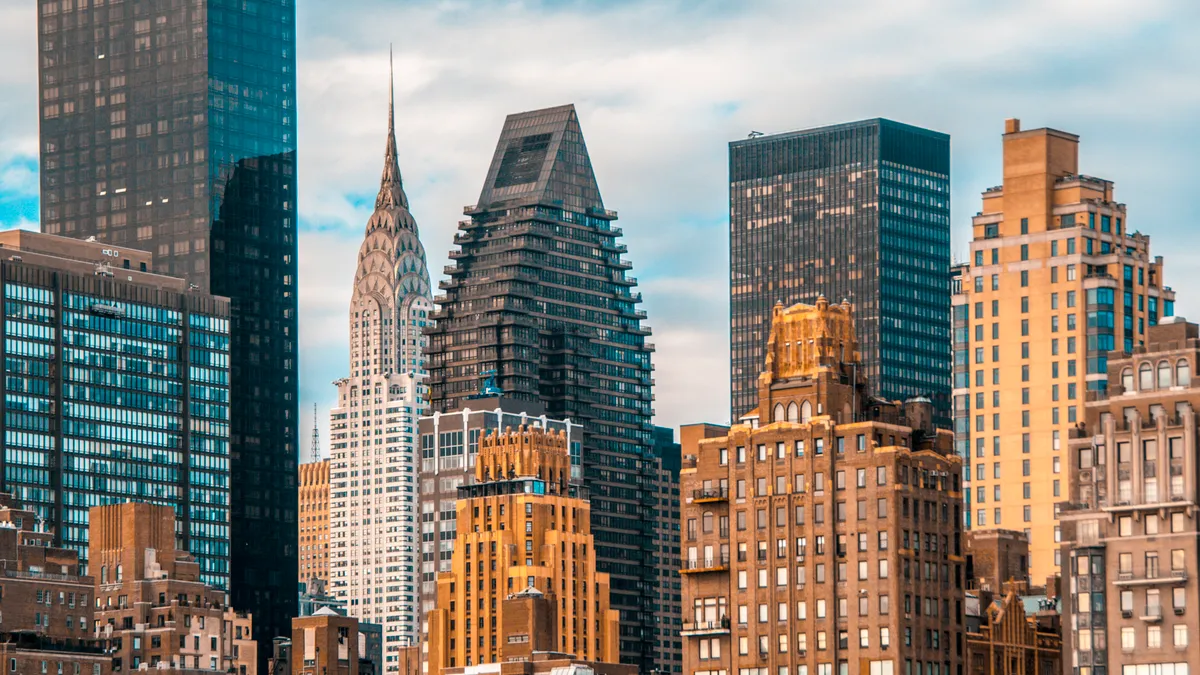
(1130, 530)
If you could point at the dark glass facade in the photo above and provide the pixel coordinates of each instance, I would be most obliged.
(116, 388)
(669, 593)
(857, 212)
(170, 126)
(538, 293)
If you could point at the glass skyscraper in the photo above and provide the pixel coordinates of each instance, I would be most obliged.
(116, 388)
(538, 297)
(170, 126)
(858, 212)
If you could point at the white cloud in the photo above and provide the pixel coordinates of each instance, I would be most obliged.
(661, 87)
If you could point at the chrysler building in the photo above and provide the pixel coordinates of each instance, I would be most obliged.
(373, 455)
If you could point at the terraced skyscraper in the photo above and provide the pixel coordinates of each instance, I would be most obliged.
(539, 295)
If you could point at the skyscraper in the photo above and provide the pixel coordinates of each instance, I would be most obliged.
(539, 295)
(170, 127)
(857, 212)
(449, 448)
(524, 578)
(851, 507)
(1057, 279)
(373, 454)
(116, 389)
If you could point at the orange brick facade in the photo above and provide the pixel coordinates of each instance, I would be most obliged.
(152, 608)
(314, 522)
(523, 578)
(822, 533)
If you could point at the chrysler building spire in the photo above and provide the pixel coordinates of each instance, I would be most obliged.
(391, 186)
(373, 536)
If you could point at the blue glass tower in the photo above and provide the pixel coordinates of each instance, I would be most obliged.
(116, 388)
(858, 212)
(170, 126)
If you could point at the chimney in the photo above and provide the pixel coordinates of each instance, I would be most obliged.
(1012, 125)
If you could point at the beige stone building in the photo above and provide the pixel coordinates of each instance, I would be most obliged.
(523, 585)
(152, 609)
(1057, 279)
(314, 522)
(1130, 525)
(822, 532)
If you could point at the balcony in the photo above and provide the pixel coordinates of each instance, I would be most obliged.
(701, 565)
(1152, 578)
(710, 494)
(1152, 614)
(698, 628)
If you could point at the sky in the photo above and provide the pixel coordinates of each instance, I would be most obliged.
(661, 87)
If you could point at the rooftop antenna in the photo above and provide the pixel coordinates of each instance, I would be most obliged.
(315, 451)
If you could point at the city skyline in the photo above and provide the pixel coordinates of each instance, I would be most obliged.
(645, 124)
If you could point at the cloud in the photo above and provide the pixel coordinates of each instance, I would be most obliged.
(662, 86)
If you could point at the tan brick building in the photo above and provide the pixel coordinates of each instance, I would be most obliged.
(1130, 528)
(996, 557)
(31, 654)
(1057, 279)
(41, 589)
(1010, 642)
(823, 532)
(523, 584)
(328, 643)
(152, 609)
(314, 522)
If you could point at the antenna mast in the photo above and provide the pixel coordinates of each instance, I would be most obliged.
(315, 452)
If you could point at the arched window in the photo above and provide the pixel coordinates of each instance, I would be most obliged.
(104, 574)
(1127, 380)
(1183, 373)
(1145, 377)
(777, 413)
(1164, 375)
(793, 412)
(805, 411)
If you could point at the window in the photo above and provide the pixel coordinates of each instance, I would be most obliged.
(1145, 377)
(1181, 635)
(1164, 375)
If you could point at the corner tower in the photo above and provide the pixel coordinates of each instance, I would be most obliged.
(373, 454)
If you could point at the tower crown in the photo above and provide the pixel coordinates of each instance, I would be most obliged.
(526, 452)
(807, 339)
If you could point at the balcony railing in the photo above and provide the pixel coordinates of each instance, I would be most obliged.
(1152, 577)
(713, 564)
(710, 494)
(718, 627)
